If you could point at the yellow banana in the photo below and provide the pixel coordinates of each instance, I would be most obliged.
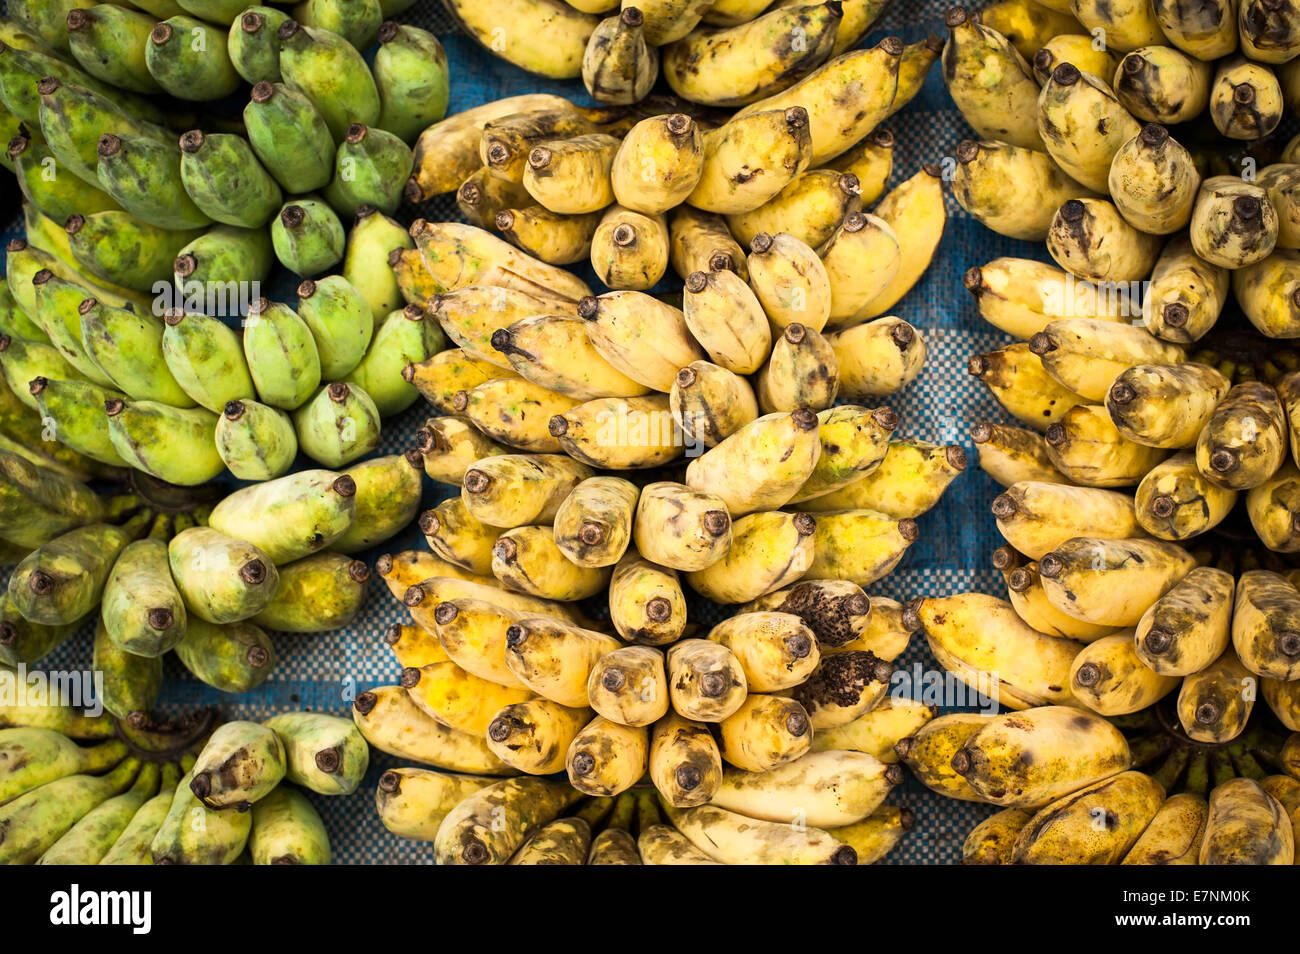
(1245, 99)
(705, 680)
(490, 825)
(685, 765)
(619, 433)
(878, 358)
(801, 372)
(1234, 223)
(871, 161)
(734, 839)
(855, 442)
(458, 699)
(642, 337)
(837, 612)
(1078, 49)
(762, 465)
(1091, 240)
(442, 376)
(1266, 625)
(790, 280)
(606, 758)
(1273, 506)
(1159, 84)
(863, 257)
(555, 239)
(726, 318)
(450, 446)
(1025, 591)
(877, 731)
(1110, 678)
(658, 164)
(555, 658)
(990, 81)
(412, 802)
(1022, 386)
(1083, 125)
(1022, 297)
(1014, 191)
(751, 158)
(917, 211)
(844, 686)
(1087, 447)
(776, 650)
(547, 37)
(992, 840)
(710, 403)
(1187, 629)
(456, 255)
(630, 250)
(1013, 454)
(824, 789)
(764, 732)
(514, 411)
(1246, 826)
(810, 208)
(1165, 405)
(1036, 518)
(1111, 582)
(1244, 442)
(512, 490)
(534, 736)
(877, 834)
(1215, 703)
(619, 67)
(646, 603)
(403, 570)
(928, 753)
(909, 480)
(681, 528)
(1174, 835)
(1067, 831)
(1175, 501)
(393, 723)
(527, 560)
(472, 634)
(594, 524)
(455, 535)
(699, 241)
(628, 686)
(858, 545)
(565, 841)
(768, 550)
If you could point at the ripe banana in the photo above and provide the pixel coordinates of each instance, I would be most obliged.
(1187, 629)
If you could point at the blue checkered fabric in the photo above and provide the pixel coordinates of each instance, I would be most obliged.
(323, 672)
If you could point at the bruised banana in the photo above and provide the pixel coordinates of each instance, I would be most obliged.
(990, 82)
(1175, 501)
(1112, 582)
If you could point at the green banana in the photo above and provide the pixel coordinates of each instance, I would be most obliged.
(236, 657)
(290, 137)
(387, 499)
(405, 336)
(323, 753)
(24, 642)
(221, 259)
(37, 504)
(119, 248)
(254, 46)
(90, 839)
(57, 312)
(240, 763)
(132, 845)
(31, 757)
(281, 355)
(56, 196)
(72, 118)
(410, 72)
(207, 359)
(131, 683)
(223, 176)
(62, 581)
(307, 236)
(144, 176)
(76, 410)
(126, 345)
(256, 441)
(191, 834)
(370, 168)
(222, 579)
(341, 323)
(291, 517)
(365, 265)
(142, 610)
(109, 42)
(188, 58)
(331, 73)
(357, 22)
(338, 425)
(36, 820)
(321, 592)
(287, 831)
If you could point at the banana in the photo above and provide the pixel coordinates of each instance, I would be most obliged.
(1029, 759)
(994, 181)
(836, 612)
(877, 731)
(515, 412)
(1282, 700)
(1245, 99)
(854, 445)
(801, 373)
(823, 789)
(1133, 574)
(621, 324)
(1077, 49)
(414, 646)
(1086, 355)
(1246, 826)
(992, 840)
(38, 504)
(1215, 703)
(1244, 442)
(74, 410)
(762, 465)
(990, 81)
(844, 686)
(554, 658)
(1175, 502)
(143, 611)
(618, 66)
(1174, 835)
(1153, 182)
(1271, 508)
(929, 751)
(1110, 677)
(62, 580)
(572, 176)
(387, 499)
(556, 239)
(1087, 447)
(236, 657)
(859, 293)
(282, 357)
(393, 723)
(290, 517)
(705, 680)
(512, 490)
(628, 686)
(31, 757)
(55, 196)
(1036, 517)
(731, 838)
(1158, 84)
(1025, 591)
(308, 237)
(710, 403)
(646, 602)
(22, 641)
(319, 593)
(768, 550)
(1187, 629)
(764, 733)
(619, 433)
(878, 834)
(606, 758)
(506, 142)
(37, 819)
(57, 311)
(456, 255)
(485, 193)
(858, 545)
(526, 559)
(65, 720)
(423, 598)
(1268, 31)
(1013, 454)
(1234, 223)
(790, 280)
(1165, 405)
(667, 21)
(472, 314)
(878, 358)
(287, 831)
(776, 650)
(871, 162)
(1020, 666)
(750, 159)
(685, 765)
(323, 753)
(534, 736)
(126, 346)
(1266, 625)
(412, 802)
(657, 165)
(736, 66)
(917, 212)
(565, 841)
(698, 241)
(1091, 239)
(239, 764)
(1067, 831)
(907, 482)
(491, 824)
(450, 446)
(472, 633)
(458, 699)
(205, 357)
(222, 579)
(593, 526)
(727, 319)
(545, 38)
(456, 536)
(440, 377)
(630, 250)
(1207, 32)
(131, 847)
(1073, 109)
(810, 208)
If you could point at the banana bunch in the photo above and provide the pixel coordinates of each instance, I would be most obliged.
(144, 231)
(77, 789)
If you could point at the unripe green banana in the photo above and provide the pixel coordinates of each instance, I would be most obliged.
(290, 137)
(253, 45)
(22, 362)
(646, 602)
(1187, 629)
(1091, 239)
(370, 168)
(224, 178)
(1158, 84)
(207, 360)
(710, 403)
(131, 682)
(72, 118)
(222, 255)
(1244, 442)
(56, 196)
(1266, 625)
(388, 498)
(1215, 703)
(57, 312)
(143, 612)
(236, 657)
(223, 580)
(37, 819)
(1245, 99)
(1001, 107)
(319, 593)
(291, 517)
(76, 411)
(1175, 501)
(373, 238)
(37, 504)
(1186, 294)
(109, 42)
(89, 839)
(878, 358)
(189, 60)
(331, 73)
(1234, 224)
(281, 355)
(1207, 33)
(287, 831)
(308, 237)
(23, 642)
(256, 441)
(144, 175)
(701, 241)
(768, 551)
(1086, 354)
(358, 23)
(735, 66)
(630, 250)
(411, 75)
(404, 337)
(119, 248)
(513, 490)
(214, 11)
(341, 323)
(192, 834)
(993, 181)
(62, 580)
(750, 159)
(618, 66)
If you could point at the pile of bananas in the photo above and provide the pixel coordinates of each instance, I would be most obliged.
(1129, 575)
(180, 793)
(205, 584)
(147, 216)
